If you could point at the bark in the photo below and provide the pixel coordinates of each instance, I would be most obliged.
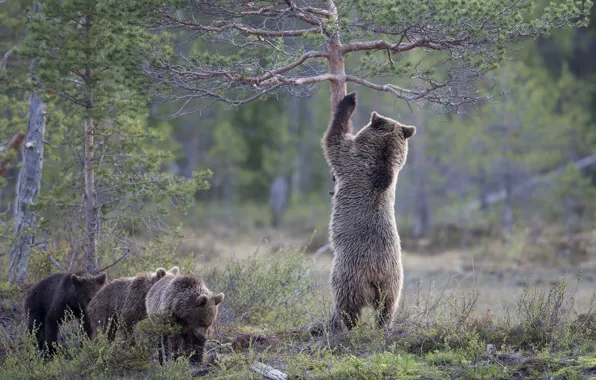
(28, 186)
(91, 211)
(267, 372)
(91, 222)
(337, 67)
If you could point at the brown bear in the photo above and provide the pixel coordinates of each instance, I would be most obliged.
(47, 301)
(121, 303)
(191, 305)
(366, 268)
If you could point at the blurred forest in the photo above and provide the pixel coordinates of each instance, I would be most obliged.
(518, 169)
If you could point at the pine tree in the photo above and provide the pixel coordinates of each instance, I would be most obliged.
(110, 173)
(255, 48)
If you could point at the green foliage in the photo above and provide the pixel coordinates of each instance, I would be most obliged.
(274, 293)
(88, 70)
(438, 338)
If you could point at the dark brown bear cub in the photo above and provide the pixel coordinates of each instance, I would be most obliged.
(121, 303)
(191, 306)
(367, 268)
(47, 301)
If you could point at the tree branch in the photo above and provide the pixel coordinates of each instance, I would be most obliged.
(115, 262)
(6, 55)
(222, 27)
(400, 47)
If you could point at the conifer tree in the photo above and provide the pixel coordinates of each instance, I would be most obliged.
(111, 176)
(255, 48)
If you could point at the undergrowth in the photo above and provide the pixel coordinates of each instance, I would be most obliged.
(273, 300)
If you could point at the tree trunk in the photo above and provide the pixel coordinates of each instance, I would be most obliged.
(91, 212)
(338, 69)
(305, 148)
(484, 189)
(90, 199)
(278, 199)
(28, 186)
(418, 160)
(336, 63)
(191, 150)
(508, 207)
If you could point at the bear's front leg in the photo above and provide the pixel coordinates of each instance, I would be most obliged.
(51, 334)
(195, 342)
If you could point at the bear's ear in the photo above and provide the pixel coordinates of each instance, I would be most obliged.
(202, 300)
(77, 280)
(160, 272)
(219, 298)
(374, 117)
(409, 131)
(175, 270)
(101, 278)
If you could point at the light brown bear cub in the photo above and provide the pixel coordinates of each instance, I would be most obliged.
(121, 303)
(191, 305)
(367, 268)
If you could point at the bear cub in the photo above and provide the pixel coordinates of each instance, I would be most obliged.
(46, 303)
(367, 268)
(191, 305)
(121, 303)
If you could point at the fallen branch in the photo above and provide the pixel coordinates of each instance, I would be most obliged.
(54, 262)
(319, 252)
(498, 196)
(267, 371)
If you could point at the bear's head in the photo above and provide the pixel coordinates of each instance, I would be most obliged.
(385, 137)
(380, 150)
(85, 287)
(199, 311)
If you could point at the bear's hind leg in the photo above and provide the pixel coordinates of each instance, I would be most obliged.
(349, 301)
(347, 313)
(386, 302)
(35, 321)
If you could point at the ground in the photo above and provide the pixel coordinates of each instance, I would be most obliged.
(467, 314)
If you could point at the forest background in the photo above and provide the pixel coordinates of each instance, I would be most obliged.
(487, 193)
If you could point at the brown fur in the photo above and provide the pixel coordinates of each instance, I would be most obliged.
(47, 301)
(192, 306)
(121, 303)
(367, 268)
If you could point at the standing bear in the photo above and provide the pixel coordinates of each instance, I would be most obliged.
(191, 306)
(366, 268)
(47, 301)
(121, 303)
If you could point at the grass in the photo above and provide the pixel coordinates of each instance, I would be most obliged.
(273, 300)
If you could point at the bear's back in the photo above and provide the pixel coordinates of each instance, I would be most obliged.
(43, 294)
(155, 296)
(110, 298)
